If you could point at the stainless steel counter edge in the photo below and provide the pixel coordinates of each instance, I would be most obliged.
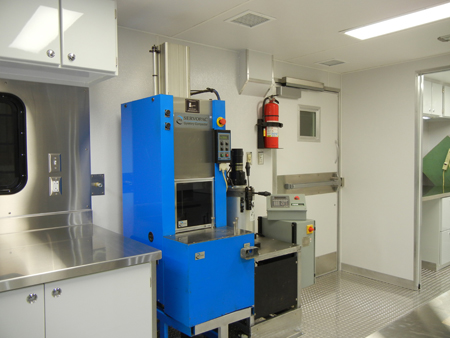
(53, 276)
(31, 258)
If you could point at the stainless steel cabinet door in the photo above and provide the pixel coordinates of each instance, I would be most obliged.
(22, 313)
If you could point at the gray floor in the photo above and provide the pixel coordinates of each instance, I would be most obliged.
(349, 306)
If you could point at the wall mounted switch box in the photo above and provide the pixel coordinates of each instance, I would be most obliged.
(54, 163)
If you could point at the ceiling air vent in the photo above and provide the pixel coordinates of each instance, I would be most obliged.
(330, 63)
(250, 19)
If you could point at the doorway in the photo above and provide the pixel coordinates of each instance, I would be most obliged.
(432, 228)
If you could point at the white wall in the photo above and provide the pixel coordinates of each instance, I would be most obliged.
(378, 163)
(210, 67)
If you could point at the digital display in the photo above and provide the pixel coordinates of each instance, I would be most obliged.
(223, 137)
(280, 202)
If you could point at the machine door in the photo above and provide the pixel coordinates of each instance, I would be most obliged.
(309, 162)
(194, 204)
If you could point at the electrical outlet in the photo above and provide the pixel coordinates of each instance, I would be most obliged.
(249, 157)
(260, 157)
(55, 186)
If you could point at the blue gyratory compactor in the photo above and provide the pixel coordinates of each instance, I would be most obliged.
(174, 154)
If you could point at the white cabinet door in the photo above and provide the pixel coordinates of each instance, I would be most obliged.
(89, 34)
(426, 109)
(436, 99)
(446, 103)
(110, 304)
(30, 31)
(445, 247)
(19, 316)
(445, 214)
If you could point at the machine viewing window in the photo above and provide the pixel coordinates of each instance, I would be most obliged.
(194, 205)
(309, 124)
(13, 155)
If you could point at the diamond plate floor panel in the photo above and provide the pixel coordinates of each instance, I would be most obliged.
(345, 305)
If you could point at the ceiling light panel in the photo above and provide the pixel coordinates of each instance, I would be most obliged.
(250, 19)
(402, 22)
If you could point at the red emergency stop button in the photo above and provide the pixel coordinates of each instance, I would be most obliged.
(309, 229)
(221, 121)
(296, 198)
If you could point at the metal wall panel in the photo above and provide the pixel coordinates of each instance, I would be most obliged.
(58, 123)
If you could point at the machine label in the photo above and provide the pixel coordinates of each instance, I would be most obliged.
(199, 255)
(182, 224)
(192, 106)
(192, 121)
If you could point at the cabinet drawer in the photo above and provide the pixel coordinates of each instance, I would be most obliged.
(445, 247)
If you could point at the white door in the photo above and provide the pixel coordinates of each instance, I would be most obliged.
(22, 313)
(313, 155)
(30, 31)
(89, 34)
(112, 304)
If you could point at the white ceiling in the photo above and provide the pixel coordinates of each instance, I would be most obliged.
(305, 31)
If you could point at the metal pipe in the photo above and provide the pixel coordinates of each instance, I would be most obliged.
(154, 52)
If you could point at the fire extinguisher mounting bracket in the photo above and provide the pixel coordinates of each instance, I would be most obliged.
(269, 124)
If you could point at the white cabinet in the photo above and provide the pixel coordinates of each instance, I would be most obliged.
(445, 247)
(447, 101)
(20, 315)
(77, 35)
(30, 31)
(113, 304)
(89, 34)
(432, 98)
(435, 233)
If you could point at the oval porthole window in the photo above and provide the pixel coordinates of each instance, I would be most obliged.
(13, 154)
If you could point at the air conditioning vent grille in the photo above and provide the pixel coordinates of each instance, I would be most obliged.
(331, 63)
(250, 19)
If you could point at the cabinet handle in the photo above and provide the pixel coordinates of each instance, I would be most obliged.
(51, 53)
(71, 56)
(56, 292)
(32, 298)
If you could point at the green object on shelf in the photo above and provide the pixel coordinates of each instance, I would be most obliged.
(433, 162)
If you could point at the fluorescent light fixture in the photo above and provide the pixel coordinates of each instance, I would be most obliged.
(42, 29)
(402, 22)
(426, 117)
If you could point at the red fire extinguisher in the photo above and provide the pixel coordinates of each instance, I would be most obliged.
(270, 115)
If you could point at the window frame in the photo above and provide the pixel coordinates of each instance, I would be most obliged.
(317, 111)
(20, 157)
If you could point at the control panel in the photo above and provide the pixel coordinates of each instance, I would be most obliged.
(222, 149)
(287, 206)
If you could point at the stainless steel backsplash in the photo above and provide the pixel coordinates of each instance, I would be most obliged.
(57, 121)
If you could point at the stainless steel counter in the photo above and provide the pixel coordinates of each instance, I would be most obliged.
(271, 248)
(42, 256)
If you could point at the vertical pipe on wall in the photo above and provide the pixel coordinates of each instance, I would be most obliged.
(418, 180)
(155, 53)
(274, 172)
